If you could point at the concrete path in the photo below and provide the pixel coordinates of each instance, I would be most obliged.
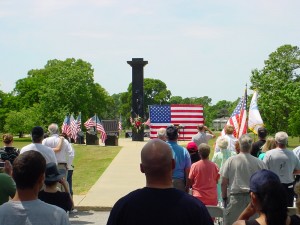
(121, 177)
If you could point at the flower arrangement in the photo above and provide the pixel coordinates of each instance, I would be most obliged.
(137, 123)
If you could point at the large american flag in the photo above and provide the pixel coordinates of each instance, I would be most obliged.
(238, 118)
(95, 122)
(185, 115)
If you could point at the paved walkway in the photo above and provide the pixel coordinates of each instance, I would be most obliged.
(121, 177)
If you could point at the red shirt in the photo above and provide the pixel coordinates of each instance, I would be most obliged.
(204, 175)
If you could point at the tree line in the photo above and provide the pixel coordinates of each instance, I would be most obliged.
(47, 95)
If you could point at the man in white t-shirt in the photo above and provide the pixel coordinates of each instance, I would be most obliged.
(25, 208)
(37, 136)
(63, 154)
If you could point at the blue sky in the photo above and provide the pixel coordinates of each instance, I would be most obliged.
(197, 48)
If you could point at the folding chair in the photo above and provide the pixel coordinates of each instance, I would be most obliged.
(217, 213)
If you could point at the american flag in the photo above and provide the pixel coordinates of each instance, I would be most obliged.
(148, 123)
(185, 115)
(65, 128)
(95, 122)
(238, 119)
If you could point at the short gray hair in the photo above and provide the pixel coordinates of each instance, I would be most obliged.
(222, 142)
(281, 138)
(161, 132)
(53, 128)
(245, 142)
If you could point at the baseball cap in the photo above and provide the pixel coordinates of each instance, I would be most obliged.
(192, 147)
(260, 178)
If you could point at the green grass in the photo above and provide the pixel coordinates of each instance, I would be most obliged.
(90, 162)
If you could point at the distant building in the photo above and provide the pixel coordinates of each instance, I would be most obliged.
(219, 124)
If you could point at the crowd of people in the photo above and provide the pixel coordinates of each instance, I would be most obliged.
(254, 183)
(37, 178)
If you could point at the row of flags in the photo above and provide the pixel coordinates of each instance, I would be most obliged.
(71, 126)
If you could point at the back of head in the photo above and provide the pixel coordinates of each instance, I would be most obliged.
(200, 127)
(204, 150)
(229, 129)
(7, 138)
(37, 134)
(28, 168)
(172, 133)
(53, 128)
(222, 142)
(245, 142)
(281, 138)
(161, 133)
(271, 196)
(270, 144)
(156, 159)
(262, 132)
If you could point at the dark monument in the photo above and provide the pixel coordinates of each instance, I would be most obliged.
(111, 128)
(137, 105)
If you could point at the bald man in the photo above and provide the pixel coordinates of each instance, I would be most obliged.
(158, 202)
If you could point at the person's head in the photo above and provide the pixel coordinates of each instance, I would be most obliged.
(237, 147)
(161, 134)
(229, 129)
(53, 128)
(222, 142)
(297, 191)
(29, 170)
(262, 133)
(268, 196)
(245, 142)
(192, 147)
(281, 139)
(37, 134)
(270, 144)
(201, 128)
(204, 150)
(157, 162)
(53, 174)
(172, 133)
(7, 139)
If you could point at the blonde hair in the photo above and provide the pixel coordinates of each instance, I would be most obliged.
(270, 144)
(297, 191)
(222, 142)
(229, 129)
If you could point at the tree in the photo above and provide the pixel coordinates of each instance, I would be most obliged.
(278, 86)
(60, 88)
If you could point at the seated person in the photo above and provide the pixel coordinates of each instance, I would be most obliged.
(268, 199)
(51, 194)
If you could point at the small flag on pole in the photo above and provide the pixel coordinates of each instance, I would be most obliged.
(65, 128)
(95, 122)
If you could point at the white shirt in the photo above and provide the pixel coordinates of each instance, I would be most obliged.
(47, 152)
(63, 155)
(231, 143)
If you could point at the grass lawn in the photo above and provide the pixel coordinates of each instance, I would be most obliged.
(90, 162)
